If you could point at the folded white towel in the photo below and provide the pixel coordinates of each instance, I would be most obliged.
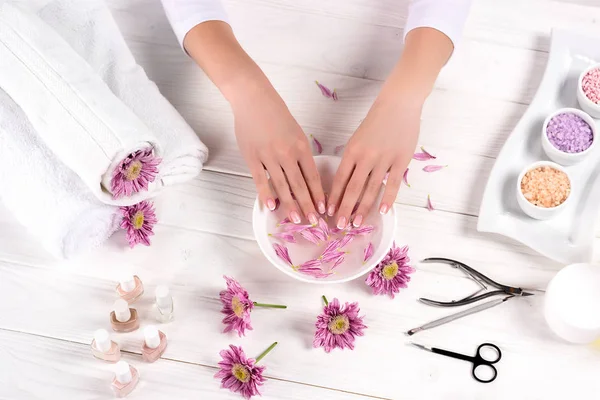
(77, 114)
(49, 199)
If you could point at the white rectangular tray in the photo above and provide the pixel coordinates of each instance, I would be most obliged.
(569, 237)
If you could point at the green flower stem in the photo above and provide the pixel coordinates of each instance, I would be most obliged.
(268, 305)
(325, 300)
(264, 353)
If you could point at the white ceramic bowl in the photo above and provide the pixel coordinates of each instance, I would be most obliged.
(265, 221)
(559, 156)
(531, 209)
(572, 302)
(586, 104)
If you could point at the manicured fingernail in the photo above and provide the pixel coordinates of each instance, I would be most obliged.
(357, 221)
(331, 210)
(312, 218)
(271, 204)
(321, 207)
(341, 223)
(383, 209)
(295, 217)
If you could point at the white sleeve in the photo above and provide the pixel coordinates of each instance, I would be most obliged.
(447, 16)
(186, 14)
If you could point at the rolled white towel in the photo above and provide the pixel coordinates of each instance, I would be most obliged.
(49, 199)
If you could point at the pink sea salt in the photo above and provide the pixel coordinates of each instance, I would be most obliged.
(590, 84)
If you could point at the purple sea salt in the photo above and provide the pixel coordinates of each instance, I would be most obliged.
(569, 133)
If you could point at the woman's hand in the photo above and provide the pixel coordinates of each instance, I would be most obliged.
(270, 139)
(384, 142)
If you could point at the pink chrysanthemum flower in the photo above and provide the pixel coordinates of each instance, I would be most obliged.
(392, 273)
(338, 326)
(239, 373)
(134, 173)
(138, 222)
(236, 307)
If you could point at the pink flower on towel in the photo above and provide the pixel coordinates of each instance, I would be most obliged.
(138, 221)
(135, 173)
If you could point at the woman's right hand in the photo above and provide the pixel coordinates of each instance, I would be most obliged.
(271, 141)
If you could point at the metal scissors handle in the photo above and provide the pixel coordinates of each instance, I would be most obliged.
(480, 362)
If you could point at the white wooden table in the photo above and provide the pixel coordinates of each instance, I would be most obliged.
(49, 309)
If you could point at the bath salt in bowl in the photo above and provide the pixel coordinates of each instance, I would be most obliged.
(543, 190)
(588, 91)
(568, 136)
(268, 225)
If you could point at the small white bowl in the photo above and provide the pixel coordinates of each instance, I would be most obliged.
(265, 221)
(531, 209)
(559, 156)
(586, 104)
(572, 301)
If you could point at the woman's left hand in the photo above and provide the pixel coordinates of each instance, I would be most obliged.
(384, 142)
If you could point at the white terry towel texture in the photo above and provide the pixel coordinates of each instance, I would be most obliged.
(85, 32)
(49, 199)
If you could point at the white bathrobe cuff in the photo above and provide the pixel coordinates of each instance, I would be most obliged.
(186, 14)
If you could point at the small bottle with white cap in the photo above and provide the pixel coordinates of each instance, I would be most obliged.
(125, 380)
(155, 343)
(163, 308)
(123, 318)
(130, 288)
(104, 348)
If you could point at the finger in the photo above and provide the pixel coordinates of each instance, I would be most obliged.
(280, 184)
(353, 191)
(313, 180)
(391, 188)
(265, 194)
(298, 186)
(371, 192)
(342, 176)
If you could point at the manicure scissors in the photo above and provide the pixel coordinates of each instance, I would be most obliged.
(481, 362)
(478, 277)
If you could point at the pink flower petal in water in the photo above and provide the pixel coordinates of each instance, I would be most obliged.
(318, 146)
(325, 91)
(346, 241)
(405, 178)
(334, 95)
(363, 230)
(285, 236)
(310, 236)
(337, 262)
(332, 246)
(331, 256)
(291, 228)
(368, 252)
(282, 252)
(318, 233)
(310, 264)
(433, 168)
(338, 149)
(424, 155)
(285, 221)
(324, 228)
(313, 270)
(429, 205)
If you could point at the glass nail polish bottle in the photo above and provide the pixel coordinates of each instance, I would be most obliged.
(123, 318)
(104, 348)
(125, 380)
(130, 288)
(163, 308)
(155, 343)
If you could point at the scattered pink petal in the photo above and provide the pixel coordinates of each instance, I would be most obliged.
(429, 205)
(424, 155)
(310, 236)
(285, 221)
(345, 241)
(332, 246)
(363, 230)
(282, 252)
(285, 236)
(292, 228)
(318, 146)
(324, 228)
(331, 256)
(337, 262)
(314, 271)
(334, 95)
(325, 91)
(310, 264)
(405, 178)
(433, 168)
(338, 149)
(319, 234)
(369, 250)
